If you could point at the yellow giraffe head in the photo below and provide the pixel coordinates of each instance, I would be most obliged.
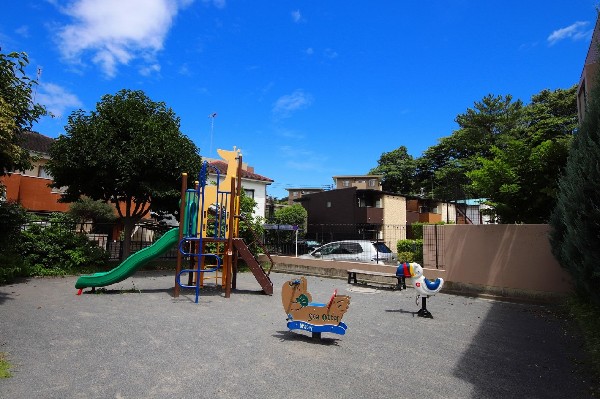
(229, 156)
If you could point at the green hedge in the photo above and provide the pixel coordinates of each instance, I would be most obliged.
(53, 248)
(410, 250)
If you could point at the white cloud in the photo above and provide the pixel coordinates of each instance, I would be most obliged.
(310, 51)
(301, 159)
(216, 3)
(329, 53)
(296, 16)
(23, 31)
(290, 103)
(149, 69)
(56, 99)
(574, 31)
(116, 32)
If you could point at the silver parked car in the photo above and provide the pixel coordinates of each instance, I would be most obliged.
(364, 251)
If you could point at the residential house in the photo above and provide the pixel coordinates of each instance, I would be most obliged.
(473, 211)
(589, 73)
(358, 213)
(254, 185)
(371, 182)
(295, 193)
(30, 187)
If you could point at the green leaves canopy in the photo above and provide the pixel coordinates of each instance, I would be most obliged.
(398, 169)
(504, 151)
(129, 150)
(17, 111)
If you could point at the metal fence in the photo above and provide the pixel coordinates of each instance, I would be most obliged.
(283, 242)
(110, 236)
(433, 242)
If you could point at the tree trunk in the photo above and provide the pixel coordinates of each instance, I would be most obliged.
(128, 225)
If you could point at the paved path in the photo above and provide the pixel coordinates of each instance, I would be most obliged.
(137, 341)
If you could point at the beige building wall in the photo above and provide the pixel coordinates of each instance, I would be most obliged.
(448, 212)
(394, 220)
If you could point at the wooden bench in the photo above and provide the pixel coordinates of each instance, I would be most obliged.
(352, 279)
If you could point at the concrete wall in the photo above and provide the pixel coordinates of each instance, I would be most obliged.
(507, 260)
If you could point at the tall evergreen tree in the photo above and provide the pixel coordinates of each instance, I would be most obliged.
(575, 221)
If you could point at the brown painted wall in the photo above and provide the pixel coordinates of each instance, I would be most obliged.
(33, 193)
(500, 257)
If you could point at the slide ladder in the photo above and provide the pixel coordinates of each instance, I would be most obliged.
(259, 273)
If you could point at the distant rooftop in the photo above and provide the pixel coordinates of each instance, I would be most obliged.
(36, 142)
(222, 167)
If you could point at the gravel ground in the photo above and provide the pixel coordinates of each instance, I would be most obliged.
(134, 340)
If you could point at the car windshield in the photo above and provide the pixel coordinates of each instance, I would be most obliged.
(381, 247)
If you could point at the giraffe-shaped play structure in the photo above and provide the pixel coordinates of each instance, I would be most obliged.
(209, 233)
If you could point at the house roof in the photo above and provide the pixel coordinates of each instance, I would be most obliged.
(222, 167)
(306, 188)
(356, 176)
(36, 142)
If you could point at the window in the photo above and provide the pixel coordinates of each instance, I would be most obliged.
(346, 183)
(42, 172)
(351, 248)
(249, 193)
(328, 204)
(295, 193)
(381, 248)
(372, 183)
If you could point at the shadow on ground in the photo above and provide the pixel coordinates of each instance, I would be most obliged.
(528, 343)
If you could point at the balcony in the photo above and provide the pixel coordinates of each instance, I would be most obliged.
(369, 215)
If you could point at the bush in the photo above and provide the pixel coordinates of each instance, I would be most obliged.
(52, 248)
(406, 257)
(414, 247)
(12, 217)
(11, 267)
(417, 230)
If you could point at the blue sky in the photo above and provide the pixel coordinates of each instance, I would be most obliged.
(307, 89)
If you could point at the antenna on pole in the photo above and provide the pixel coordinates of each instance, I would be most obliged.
(212, 128)
(37, 80)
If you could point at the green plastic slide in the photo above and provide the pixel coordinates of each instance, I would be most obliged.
(131, 264)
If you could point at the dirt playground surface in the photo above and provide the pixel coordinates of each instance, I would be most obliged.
(135, 340)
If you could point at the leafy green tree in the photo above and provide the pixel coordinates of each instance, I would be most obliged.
(520, 175)
(294, 214)
(17, 111)
(86, 209)
(575, 220)
(129, 152)
(443, 167)
(250, 227)
(398, 168)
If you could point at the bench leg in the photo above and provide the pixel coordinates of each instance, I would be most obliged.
(351, 278)
(401, 283)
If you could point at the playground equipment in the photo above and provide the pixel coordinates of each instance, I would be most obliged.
(303, 314)
(208, 236)
(425, 288)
